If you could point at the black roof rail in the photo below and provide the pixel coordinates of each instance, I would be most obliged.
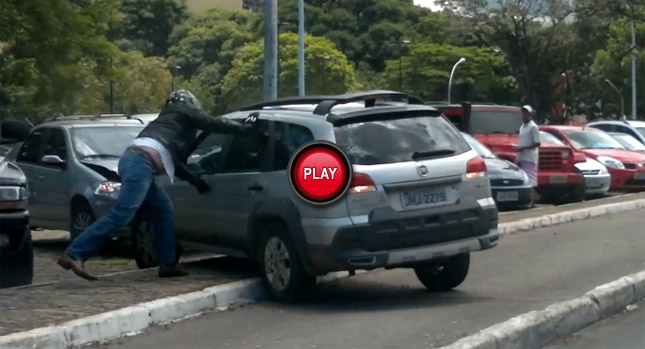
(326, 103)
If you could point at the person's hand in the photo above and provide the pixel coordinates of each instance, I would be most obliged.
(201, 186)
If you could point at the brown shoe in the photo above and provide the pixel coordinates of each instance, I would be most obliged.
(169, 271)
(77, 267)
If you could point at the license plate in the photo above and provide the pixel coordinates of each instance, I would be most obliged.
(557, 179)
(639, 175)
(424, 198)
(504, 196)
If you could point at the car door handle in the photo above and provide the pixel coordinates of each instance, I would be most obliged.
(255, 187)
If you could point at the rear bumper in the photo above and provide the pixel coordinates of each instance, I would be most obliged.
(15, 227)
(398, 239)
(627, 179)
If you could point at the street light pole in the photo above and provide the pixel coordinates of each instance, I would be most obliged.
(301, 47)
(633, 71)
(622, 100)
(462, 60)
(401, 43)
(270, 50)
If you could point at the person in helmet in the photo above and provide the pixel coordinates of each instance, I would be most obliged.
(160, 149)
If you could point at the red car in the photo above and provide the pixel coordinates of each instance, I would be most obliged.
(627, 168)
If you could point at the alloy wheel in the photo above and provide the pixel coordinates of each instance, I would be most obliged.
(277, 263)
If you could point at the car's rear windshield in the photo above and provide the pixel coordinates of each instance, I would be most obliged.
(495, 121)
(399, 140)
(103, 141)
(592, 140)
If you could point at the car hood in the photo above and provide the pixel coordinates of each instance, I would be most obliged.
(107, 168)
(618, 154)
(502, 169)
(590, 165)
(10, 174)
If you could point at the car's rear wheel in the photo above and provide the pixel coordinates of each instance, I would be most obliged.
(82, 218)
(18, 269)
(280, 266)
(143, 243)
(443, 274)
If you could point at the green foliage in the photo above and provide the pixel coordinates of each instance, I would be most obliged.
(327, 70)
(425, 72)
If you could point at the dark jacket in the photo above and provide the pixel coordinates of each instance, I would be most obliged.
(176, 128)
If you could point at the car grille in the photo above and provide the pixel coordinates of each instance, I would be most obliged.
(590, 172)
(630, 166)
(550, 160)
(505, 182)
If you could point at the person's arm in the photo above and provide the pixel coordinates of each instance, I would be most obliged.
(220, 125)
(182, 172)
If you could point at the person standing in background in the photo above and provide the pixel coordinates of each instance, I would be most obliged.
(528, 155)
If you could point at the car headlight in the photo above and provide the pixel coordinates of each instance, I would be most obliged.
(611, 162)
(108, 188)
(13, 193)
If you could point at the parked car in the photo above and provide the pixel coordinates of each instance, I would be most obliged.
(146, 118)
(628, 141)
(497, 127)
(627, 168)
(16, 250)
(70, 164)
(597, 177)
(510, 186)
(252, 211)
(634, 128)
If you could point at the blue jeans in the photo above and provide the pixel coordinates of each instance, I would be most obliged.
(138, 188)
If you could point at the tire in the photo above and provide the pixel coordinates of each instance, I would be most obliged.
(281, 269)
(143, 244)
(443, 274)
(81, 218)
(18, 269)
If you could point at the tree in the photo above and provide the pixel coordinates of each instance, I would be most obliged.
(425, 72)
(327, 70)
(147, 24)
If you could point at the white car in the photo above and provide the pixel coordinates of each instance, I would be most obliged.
(597, 177)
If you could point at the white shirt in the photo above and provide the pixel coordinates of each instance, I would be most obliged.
(529, 135)
(166, 158)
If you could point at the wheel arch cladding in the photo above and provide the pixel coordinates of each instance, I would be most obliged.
(285, 212)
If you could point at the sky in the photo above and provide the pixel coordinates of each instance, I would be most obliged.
(427, 3)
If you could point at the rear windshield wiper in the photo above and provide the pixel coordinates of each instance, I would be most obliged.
(102, 156)
(431, 153)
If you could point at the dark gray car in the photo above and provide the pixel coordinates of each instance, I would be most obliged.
(420, 196)
(71, 166)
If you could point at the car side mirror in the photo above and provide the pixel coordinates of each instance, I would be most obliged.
(52, 160)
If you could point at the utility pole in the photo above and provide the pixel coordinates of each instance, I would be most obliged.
(633, 71)
(301, 47)
(270, 50)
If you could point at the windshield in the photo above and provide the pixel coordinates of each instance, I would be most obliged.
(549, 138)
(592, 140)
(495, 121)
(399, 140)
(104, 142)
(628, 141)
(481, 149)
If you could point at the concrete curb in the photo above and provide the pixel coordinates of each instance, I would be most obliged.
(132, 319)
(537, 328)
(569, 216)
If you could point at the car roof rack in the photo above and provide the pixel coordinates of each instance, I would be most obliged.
(326, 103)
(93, 117)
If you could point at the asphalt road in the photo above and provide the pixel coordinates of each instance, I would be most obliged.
(621, 331)
(390, 309)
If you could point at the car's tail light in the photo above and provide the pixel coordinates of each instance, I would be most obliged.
(361, 183)
(475, 168)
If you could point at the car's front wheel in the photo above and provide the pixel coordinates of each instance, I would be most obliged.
(143, 243)
(282, 271)
(443, 274)
(18, 269)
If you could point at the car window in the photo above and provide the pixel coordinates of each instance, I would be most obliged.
(606, 127)
(288, 138)
(628, 141)
(557, 136)
(549, 138)
(495, 121)
(207, 156)
(399, 139)
(56, 144)
(592, 140)
(247, 151)
(641, 130)
(30, 150)
(103, 141)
